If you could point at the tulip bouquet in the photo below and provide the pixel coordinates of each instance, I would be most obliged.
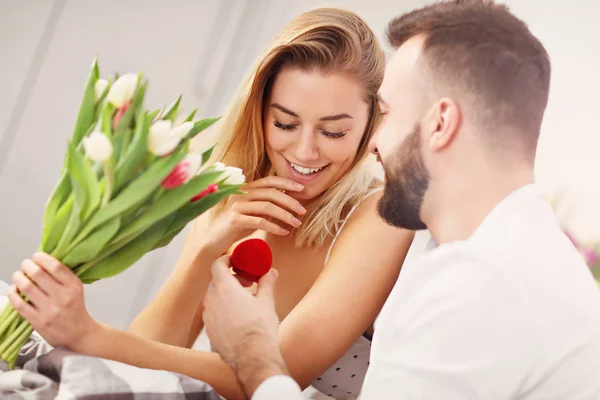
(129, 184)
(590, 251)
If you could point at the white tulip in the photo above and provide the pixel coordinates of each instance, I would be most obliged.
(98, 147)
(219, 166)
(193, 161)
(122, 90)
(99, 87)
(182, 130)
(234, 176)
(161, 141)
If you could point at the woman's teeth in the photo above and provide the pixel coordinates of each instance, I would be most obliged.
(304, 170)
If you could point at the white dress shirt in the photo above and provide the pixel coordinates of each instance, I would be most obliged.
(511, 313)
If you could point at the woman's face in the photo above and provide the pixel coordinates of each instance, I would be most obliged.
(313, 124)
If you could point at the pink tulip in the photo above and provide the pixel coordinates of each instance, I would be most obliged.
(177, 177)
(590, 256)
(120, 113)
(212, 188)
(183, 172)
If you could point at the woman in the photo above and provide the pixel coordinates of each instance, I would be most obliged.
(299, 128)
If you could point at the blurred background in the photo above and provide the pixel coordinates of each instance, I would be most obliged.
(203, 49)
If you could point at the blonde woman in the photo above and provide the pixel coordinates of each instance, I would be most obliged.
(299, 128)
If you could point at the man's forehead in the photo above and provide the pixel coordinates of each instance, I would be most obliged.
(402, 66)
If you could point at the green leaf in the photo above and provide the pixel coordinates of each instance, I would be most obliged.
(85, 117)
(170, 202)
(93, 244)
(56, 199)
(69, 232)
(125, 257)
(206, 155)
(133, 194)
(153, 114)
(166, 240)
(59, 223)
(190, 117)
(133, 158)
(202, 125)
(106, 119)
(84, 182)
(138, 100)
(197, 208)
(173, 110)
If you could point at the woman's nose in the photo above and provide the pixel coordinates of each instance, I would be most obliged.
(307, 147)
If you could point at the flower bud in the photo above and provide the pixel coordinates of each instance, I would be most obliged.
(98, 147)
(212, 188)
(160, 140)
(122, 90)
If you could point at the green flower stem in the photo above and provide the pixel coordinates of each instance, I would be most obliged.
(7, 309)
(109, 177)
(11, 341)
(8, 321)
(14, 325)
(85, 267)
(24, 332)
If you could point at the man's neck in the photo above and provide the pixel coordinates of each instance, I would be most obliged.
(459, 210)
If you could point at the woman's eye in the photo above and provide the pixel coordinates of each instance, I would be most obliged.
(284, 126)
(333, 135)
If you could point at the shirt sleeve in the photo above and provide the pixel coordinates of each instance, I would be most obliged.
(277, 388)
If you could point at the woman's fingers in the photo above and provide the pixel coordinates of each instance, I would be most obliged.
(40, 276)
(277, 197)
(267, 209)
(275, 182)
(26, 310)
(254, 223)
(29, 289)
(55, 268)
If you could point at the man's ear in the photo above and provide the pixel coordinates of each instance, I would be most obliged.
(442, 124)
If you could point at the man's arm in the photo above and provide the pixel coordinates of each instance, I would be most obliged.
(243, 329)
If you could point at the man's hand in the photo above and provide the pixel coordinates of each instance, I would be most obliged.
(243, 328)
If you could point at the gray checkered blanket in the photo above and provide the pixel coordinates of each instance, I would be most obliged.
(43, 372)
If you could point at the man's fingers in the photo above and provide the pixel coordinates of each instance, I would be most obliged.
(220, 272)
(244, 282)
(266, 284)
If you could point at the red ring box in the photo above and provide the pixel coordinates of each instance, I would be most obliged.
(251, 259)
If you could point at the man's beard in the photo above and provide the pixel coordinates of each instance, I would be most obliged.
(406, 182)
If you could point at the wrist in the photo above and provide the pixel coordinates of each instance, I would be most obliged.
(208, 253)
(260, 359)
(92, 337)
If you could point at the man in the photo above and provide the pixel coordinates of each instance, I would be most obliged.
(504, 307)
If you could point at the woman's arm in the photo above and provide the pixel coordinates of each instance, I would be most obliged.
(171, 316)
(347, 296)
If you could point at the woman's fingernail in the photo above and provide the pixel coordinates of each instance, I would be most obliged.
(284, 231)
(296, 222)
(301, 209)
(298, 186)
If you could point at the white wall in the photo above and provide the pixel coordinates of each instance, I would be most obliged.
(202, 49)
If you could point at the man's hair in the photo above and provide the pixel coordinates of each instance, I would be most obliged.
(488, 55)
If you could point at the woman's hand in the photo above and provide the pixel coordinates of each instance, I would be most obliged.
(263, 203)
(57, 310)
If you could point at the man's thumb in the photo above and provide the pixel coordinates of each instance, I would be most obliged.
(267, 283)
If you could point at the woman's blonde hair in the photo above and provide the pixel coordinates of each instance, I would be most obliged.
(330, 39)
